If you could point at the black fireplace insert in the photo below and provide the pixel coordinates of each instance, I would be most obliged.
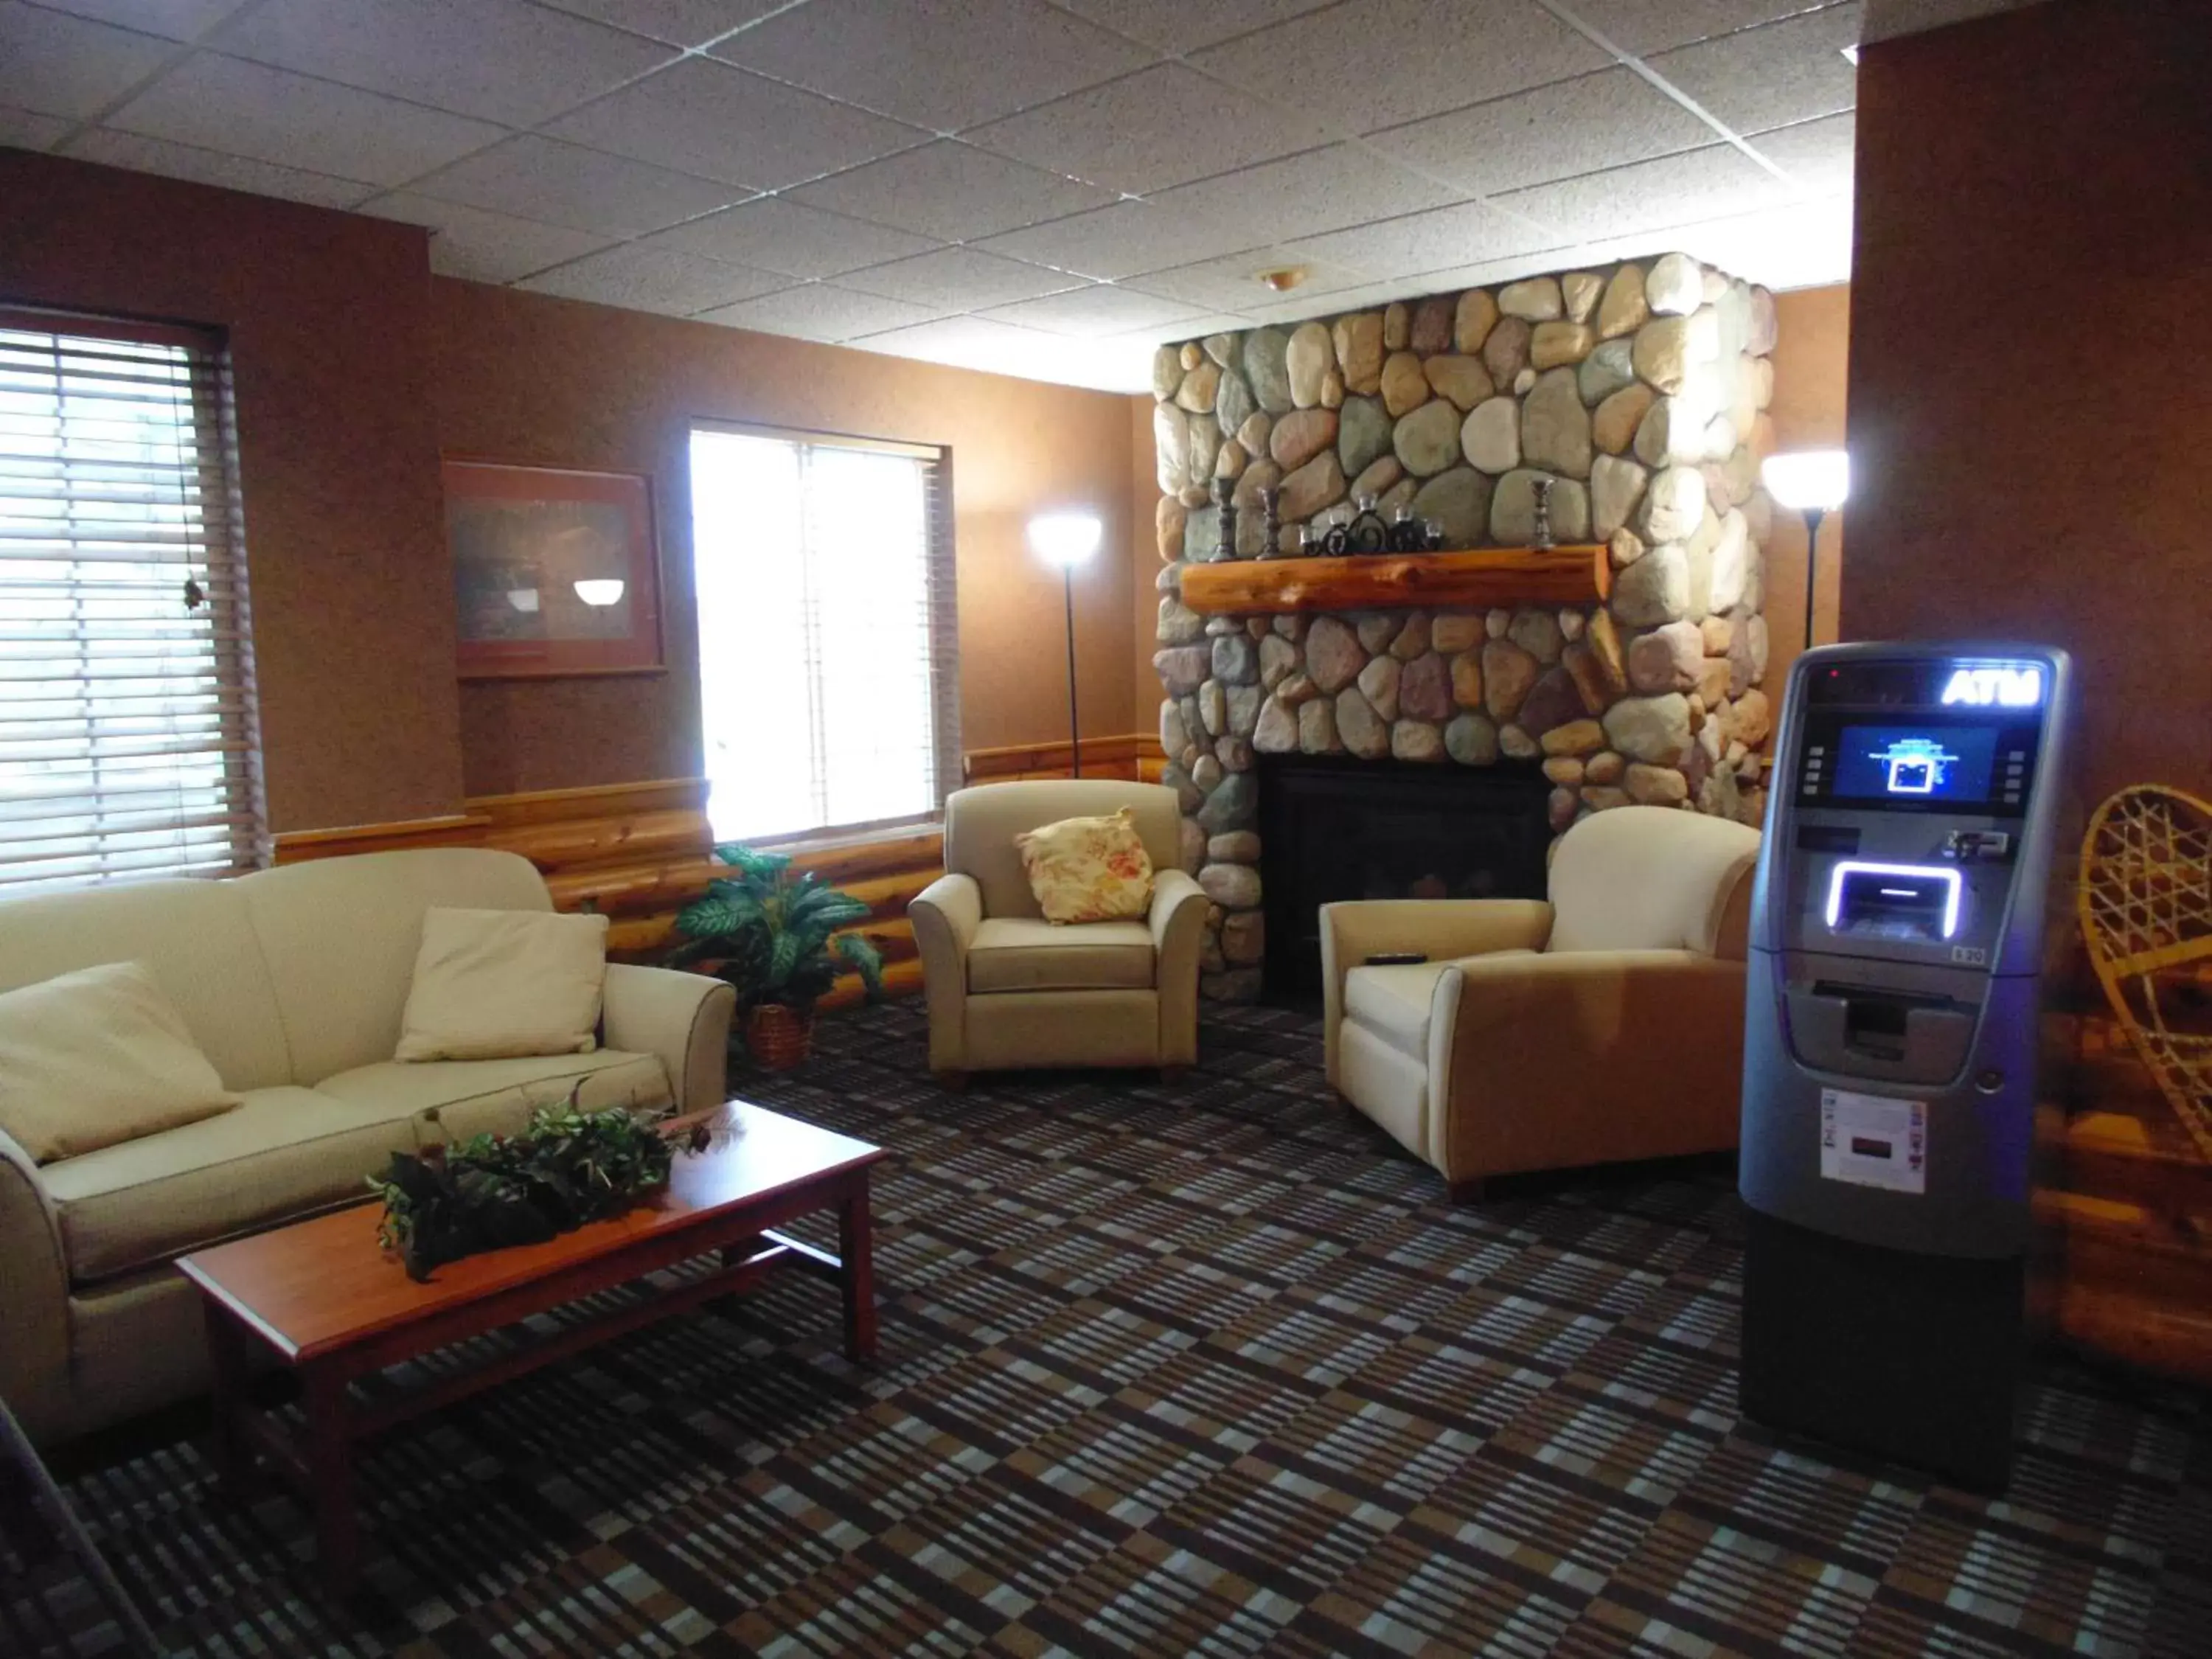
(1334, 828)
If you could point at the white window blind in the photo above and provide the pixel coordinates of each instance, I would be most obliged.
(126, 717)
(826, 632)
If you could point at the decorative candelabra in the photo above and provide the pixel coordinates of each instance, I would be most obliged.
(1224, 501)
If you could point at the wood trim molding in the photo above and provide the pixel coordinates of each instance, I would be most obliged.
(453, 829)
(1122, 755)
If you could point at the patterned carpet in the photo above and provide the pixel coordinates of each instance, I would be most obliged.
(1206, 1369)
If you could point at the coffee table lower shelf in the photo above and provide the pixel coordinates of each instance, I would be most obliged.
(317, 1454)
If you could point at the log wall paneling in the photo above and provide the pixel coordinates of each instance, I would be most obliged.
(1135, 755)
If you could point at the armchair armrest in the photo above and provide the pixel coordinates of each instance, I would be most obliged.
(684, 1018)
(1177, 920)
(946, 915)
(34, 1356)
(1554, 1060)
(1439, 929)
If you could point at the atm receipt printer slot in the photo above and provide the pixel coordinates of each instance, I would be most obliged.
(1895, 961)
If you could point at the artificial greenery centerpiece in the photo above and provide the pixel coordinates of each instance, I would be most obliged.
(772, 934)
(570, 1166)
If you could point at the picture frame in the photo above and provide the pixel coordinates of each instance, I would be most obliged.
(556, 571)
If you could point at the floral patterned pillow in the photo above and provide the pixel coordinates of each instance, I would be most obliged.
(1088, 869)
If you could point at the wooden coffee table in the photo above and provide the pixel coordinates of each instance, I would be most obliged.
(323, 1300)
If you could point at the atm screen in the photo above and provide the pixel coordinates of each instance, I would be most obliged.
(1915, 764)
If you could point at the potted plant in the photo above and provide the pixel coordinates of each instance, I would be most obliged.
(772, 933)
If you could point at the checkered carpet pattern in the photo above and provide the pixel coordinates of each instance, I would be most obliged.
(1206, 1367)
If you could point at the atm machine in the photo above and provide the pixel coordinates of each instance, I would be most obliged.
(1897, 953)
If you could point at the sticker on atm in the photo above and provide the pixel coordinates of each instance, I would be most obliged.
(1872, 1141)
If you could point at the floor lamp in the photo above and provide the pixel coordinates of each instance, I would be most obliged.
(1815, 483)
(1068, 539)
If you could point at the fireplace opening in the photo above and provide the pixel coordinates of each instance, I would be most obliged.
(1334, 828)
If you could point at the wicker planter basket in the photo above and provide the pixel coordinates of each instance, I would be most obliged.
(778, 1037)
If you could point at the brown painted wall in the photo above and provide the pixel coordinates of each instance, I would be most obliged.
(1811, 363)
(525, 378)
(1143, 488)
(329, 320)
(2031, 420)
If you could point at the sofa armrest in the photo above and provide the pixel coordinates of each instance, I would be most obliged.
(1439, 929)
(1581, 1057)
(34, 1352)
(946, 915)
(684, 1018)
(1177, 920)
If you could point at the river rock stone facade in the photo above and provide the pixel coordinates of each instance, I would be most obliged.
(1639, 390)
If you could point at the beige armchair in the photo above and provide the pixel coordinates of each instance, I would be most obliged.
(1008, 988)
(1603, 1026)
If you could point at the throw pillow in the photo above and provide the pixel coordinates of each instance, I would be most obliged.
(494, 984)
(1088, 869)
(98, 1057)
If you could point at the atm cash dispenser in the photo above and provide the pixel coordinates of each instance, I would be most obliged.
(1896, 968)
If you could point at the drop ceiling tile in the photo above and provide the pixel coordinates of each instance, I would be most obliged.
(1119, 240)
(1640, 26)
(958, 279)
(1459, 235)
(952, 191)
(1303, 195)
(1772, 75)
(240, 108)
(1818, 155)
(706, 117)
(1297, 308)
(1799, 244)
(23, 129)
(1583, 126)
(51, 65)
(1233, 284)
(533, 178)
(944, 64)
(499, 60)
(976, 341)
(653, 279)
(1675, 190)
(1161, 126)
(176, 20)
(773, 234)
(680, 22)
(486, 247)
(1095, 313)
(821, 311)
(1178, 26)
(1370, 64)
(208, 167)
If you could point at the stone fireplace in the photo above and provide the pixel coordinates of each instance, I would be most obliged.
(1622, 666)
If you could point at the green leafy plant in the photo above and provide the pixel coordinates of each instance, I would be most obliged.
(770, 930)
(568, 1167)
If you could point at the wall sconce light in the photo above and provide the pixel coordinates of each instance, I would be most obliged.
(1815, 482)
(1068, 539)
(600, 590)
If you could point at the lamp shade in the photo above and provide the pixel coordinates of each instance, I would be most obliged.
(1065, 538)
(600, 590)
(1811, 480)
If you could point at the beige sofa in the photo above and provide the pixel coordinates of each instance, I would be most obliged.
(292, 982)
(1008, 988)
(1604, 1026)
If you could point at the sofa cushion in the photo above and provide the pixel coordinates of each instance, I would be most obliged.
(1393, 1002)
(196, 937)
(282, 1154)
(498, 984)
(340, 937)
(1010, 953)
(453, 1099)
(97, 1057)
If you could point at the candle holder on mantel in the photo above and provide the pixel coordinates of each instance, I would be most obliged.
(1539, 530)
(1225, 502)
(1271, 522)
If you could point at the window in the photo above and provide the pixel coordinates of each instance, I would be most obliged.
(126, 718)
(827, 635)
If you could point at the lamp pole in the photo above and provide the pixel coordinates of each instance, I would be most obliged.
(1074, 730)
(1813, 517)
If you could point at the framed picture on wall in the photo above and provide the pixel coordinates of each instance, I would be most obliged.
(554, 571)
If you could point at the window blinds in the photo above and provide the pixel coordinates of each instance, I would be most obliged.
(126, 697)
(828, 632)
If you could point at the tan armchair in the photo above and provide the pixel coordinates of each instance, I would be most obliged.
(1603, 1026)
(1007, 988)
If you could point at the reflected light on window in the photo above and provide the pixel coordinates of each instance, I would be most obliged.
(524, 600)
(599, 591)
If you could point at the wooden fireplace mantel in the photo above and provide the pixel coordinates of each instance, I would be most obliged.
(1575, 575)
